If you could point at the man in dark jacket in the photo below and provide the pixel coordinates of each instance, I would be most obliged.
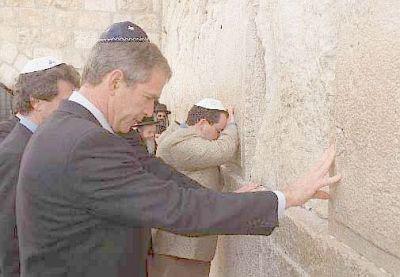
(6, 126)
(84, 194)
(39, 89)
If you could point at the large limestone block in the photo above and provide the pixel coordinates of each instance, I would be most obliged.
(299, 38)
(365, 212)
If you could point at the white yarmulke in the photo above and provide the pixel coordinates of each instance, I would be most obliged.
(211, 104)
(40, 64)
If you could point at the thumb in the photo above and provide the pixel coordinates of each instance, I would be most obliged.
(320, 194)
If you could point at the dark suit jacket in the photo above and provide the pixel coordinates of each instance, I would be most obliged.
(83, 194)
(6, 127)
(11, 151)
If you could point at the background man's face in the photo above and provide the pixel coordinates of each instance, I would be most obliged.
(212, 132)
(64, 92)
(161, 115)
(131, 104)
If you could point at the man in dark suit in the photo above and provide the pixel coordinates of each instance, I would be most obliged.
(6, 126)
(84, 194)
(40, 88)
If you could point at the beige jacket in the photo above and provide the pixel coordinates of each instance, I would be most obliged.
(198, 159)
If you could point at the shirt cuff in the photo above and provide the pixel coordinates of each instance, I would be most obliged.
(281, 203)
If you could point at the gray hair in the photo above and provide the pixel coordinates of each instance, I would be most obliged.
(135, 59)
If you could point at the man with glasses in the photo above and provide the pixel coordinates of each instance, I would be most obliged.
(207, 140)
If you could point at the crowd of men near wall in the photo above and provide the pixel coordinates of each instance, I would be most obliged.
(89, 164)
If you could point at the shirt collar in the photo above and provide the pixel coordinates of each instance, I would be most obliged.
(27, 123)
(82, 100)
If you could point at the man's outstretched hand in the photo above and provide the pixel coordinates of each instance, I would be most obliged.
(310, 185)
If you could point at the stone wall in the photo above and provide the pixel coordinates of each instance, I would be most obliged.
(301, 74)
(66, 29)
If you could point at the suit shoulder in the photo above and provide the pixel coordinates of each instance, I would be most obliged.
(17, 139)
(96, 136)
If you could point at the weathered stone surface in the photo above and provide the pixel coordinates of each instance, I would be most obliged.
(276, 62)
(29, 17)
(28, 36)
(366, 211)
(157, 6)
(150, 21)
(133, 5)
(56, 38)
(74, 57)
(8, 52)
(8, 16)
(100, 5)
(20, 62)
(7, 74)
(62, 4)
(85, 40)
(66, 29)
(99, 21)
(65, 20)
(44, 51)
(20, 3)
(8, 34)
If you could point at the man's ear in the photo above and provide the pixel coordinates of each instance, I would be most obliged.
(114, 80)
(202, 122)
(35, 103)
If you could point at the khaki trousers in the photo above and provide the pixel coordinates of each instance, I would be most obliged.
(169, 266)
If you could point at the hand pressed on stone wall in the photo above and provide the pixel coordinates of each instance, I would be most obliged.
(310, 185)
(250, 188)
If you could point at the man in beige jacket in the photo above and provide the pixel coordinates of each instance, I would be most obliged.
(207, 140)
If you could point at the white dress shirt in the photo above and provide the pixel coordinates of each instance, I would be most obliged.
(82, 100)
